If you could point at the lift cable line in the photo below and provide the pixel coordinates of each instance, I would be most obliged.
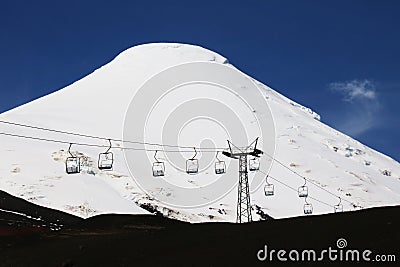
(95, 145)
(253, 166)
(104, 138)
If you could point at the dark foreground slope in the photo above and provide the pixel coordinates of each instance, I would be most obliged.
(20, 216)
(123, 240)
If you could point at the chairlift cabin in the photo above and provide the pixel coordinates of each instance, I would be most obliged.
(308, 208)
(303, 191)
(192, 165)
(72, 164)
(254, 164)
(269, 190)
(158, 167)
(106, 159)
(220, 167)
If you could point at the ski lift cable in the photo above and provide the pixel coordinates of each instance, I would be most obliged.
(49, 140)
(195, 153)
(142, 143)
(69, 149)
(103, 138)
(305, 179)
(155, 157)
(94, 145)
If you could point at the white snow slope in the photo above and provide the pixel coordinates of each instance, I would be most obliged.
(97, 104)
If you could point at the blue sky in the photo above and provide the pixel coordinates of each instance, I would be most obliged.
(340, 58)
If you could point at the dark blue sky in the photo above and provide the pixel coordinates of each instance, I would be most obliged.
(341, 58)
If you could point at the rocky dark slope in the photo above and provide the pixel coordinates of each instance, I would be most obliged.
(127, 240)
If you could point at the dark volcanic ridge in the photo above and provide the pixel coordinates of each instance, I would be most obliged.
(128, 240)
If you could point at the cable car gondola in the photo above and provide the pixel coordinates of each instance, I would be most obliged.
(158, 167)
(72, 164)
(192, 165)
(254, 164)
(308, 208)
(303, 190)
(220, 167)
(106, 159)
(268, 188)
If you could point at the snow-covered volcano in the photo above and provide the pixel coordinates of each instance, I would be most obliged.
(32, 164)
